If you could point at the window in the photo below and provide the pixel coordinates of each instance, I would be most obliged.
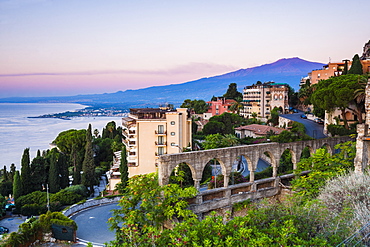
(160, 129)
(173, 144)
(160, 150)
(172, 122)
(160, 140)
(172, 133)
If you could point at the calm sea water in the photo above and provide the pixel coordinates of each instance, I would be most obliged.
(18, 132)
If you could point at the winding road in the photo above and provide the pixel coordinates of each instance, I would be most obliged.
(93, 226)
(313, 129)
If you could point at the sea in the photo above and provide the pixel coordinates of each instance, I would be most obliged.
(18, 131)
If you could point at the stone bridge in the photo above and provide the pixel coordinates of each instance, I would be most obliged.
(197, 160)
(230, 194)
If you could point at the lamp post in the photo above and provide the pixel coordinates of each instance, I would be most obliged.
(47, 196)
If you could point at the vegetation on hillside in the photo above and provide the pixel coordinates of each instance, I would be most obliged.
(306, 219)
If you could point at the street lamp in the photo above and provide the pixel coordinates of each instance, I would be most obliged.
(47, 196)
(177, 145)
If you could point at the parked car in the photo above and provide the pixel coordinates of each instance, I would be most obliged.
(319, 120)
(295, 110)
(3, 230)
(304, 116)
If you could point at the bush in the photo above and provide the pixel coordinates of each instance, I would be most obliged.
(78, 189)
(350, 190)
(36, 197)
(340, 130)
(65, 197)
(33, 209)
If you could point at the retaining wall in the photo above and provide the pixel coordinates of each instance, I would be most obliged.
(89, 204)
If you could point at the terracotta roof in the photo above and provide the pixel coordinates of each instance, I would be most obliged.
(260, 129)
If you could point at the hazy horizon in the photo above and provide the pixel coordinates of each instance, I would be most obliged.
(64, 48)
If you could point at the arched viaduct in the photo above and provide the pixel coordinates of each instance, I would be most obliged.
(227, 156)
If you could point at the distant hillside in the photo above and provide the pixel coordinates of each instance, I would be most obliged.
(287, 70)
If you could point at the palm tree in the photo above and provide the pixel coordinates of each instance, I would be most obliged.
(236, 107)
(359, 98)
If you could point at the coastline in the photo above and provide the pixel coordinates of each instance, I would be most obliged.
(20, 129)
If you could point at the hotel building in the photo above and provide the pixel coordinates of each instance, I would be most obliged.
(261, 98)
(151, 132)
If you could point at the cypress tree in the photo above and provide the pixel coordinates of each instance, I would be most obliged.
(76, 166)
(63, 171)
(123, 168)
(17, 186)
(26, 173)
(54, 183)
(12, 172)
(5, 174)
(356, 67)
(233, 93)
(38, 173)
(88, 166)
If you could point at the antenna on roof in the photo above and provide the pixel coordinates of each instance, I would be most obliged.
(329, 60)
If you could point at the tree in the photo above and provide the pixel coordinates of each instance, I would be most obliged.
(54, 180)
(356, 67)
(145, 211)
(39, 173)
(274, 117)
(224, 123)
(236, 107)
(220, 141)
(26, 173)
(199, 106)
(110, 130)
(88, 166)
(336, 92)
(123, 168)
(233, 93)
(17, 186)
(63, 171)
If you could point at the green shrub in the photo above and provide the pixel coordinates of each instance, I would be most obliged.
(33, 209)
(78, 189)
(340, 130)
(65, 197)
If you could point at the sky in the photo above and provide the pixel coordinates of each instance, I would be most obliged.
(69, 47)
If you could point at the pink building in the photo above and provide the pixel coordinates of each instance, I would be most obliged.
(219, 106)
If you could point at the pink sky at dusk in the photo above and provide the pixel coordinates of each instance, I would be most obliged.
(57, 48)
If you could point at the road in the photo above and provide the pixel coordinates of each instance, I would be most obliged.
(313, 129)
(93, 226)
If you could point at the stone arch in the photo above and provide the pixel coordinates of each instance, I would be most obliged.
(240, 168)
(306, 152)
(218, 168)
(263, 157)
(329, 148)
(286, 163)
(186, 168)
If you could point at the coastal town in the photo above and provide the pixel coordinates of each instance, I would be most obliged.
(184, 123)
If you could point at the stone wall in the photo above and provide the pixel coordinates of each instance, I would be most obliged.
(89, 204)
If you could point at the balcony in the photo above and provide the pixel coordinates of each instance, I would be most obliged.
(157, 154)
(128, 133)
(160, 143)
(160, 132)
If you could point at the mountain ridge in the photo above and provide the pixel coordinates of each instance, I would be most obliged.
(285, 70)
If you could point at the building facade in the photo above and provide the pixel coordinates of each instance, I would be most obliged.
(256, 130)
(335, 69)
(151, 132)
(261, 98)
(218, 106)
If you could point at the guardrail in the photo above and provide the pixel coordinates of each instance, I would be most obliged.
(75, 208)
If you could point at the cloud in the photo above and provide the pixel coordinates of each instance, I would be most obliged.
(192, 68)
